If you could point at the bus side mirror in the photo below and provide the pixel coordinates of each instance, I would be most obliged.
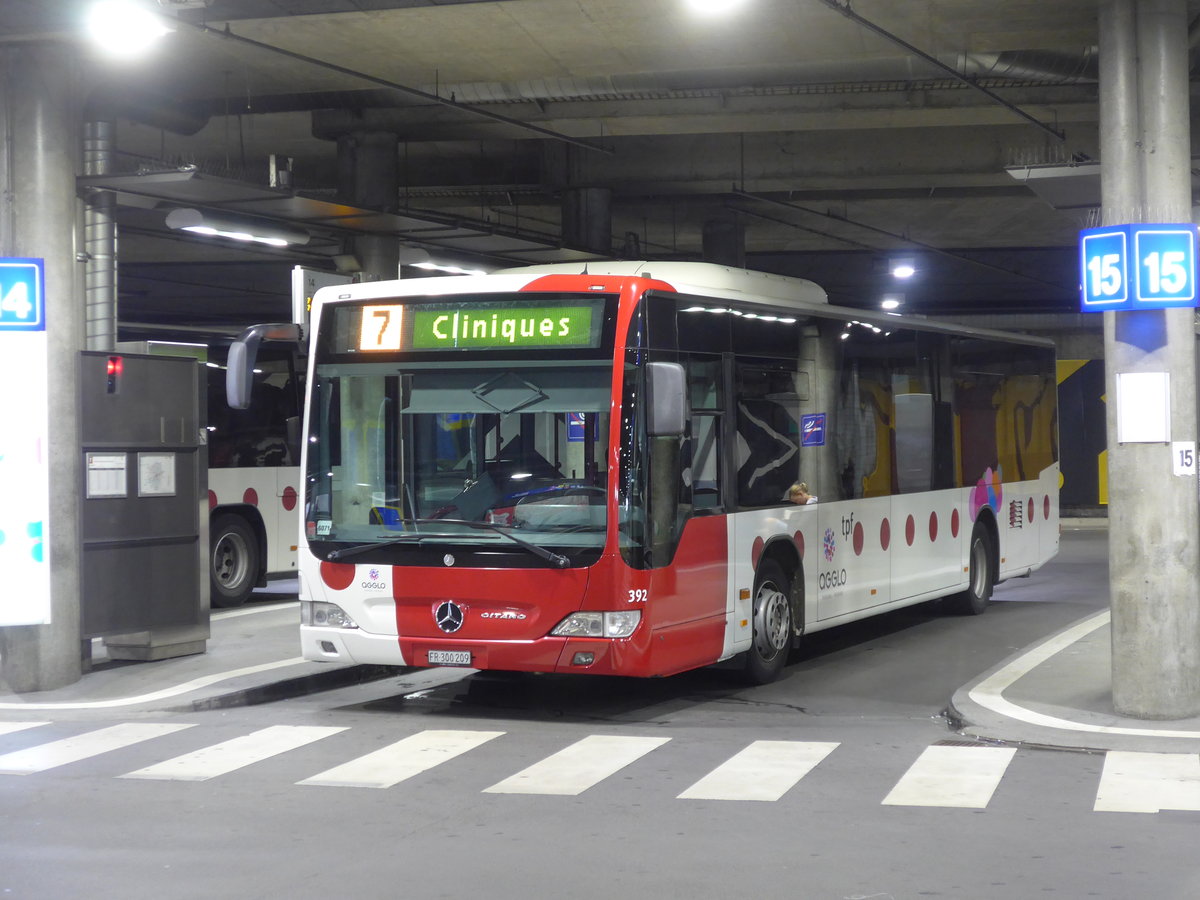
(239, 367)
(239, 375)
(667, 384)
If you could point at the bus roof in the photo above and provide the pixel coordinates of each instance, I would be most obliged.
(702, 278)
(699, 279)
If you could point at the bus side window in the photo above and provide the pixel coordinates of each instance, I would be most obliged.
(704, 390)
(768, 425)
(706, 470)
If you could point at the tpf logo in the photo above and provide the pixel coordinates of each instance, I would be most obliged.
(812, 430)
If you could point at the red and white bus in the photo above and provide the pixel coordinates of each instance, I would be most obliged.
(560, 469)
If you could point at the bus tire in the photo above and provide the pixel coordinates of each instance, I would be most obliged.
(981, 576)
(771, 619)
(233, 561)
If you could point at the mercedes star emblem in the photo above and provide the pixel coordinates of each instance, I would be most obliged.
(448, 559)
(449, 617)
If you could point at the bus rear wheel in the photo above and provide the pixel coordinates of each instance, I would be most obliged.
(772, 622)
(233, 562)
(981, 576)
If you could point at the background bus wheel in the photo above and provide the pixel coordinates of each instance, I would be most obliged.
(233, 562)
(772, 621)
(980, 578)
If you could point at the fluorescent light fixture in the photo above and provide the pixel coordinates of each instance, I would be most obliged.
(892, 301)
(902, 268)
(124, 29)
(235, 228)
(432, 266)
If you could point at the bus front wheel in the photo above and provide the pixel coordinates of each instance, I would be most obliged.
(772, 621)
(981, 576)
(233, 563)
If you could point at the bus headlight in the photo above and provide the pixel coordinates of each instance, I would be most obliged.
(324, 615)
(619, 624)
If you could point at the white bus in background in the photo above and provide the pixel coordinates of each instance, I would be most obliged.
(253, 479)
(253, 469)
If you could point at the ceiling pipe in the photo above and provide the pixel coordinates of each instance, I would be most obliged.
(1034, 65)
(100, 242)
(832, 76)
(227, 34)
(845, 10)
(108, 102)
(826, 77)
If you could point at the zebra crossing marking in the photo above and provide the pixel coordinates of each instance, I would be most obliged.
(80, 747)
(1148, 782)
(941, 776)
(237, 753)
(576, 768)
(961, 777)
(765, 770)
(396, 762)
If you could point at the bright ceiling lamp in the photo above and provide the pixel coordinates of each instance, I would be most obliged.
(714, 7)
(902, 268)
(124, 29)
(892, 301)
(235, 228)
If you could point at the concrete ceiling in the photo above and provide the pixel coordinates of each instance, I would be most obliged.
(832, 141)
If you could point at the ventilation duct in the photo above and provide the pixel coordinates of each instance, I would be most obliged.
(111, 102)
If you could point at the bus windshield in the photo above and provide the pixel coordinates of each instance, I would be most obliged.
(401, 453)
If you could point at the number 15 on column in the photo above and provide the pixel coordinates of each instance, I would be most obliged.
(1104, 267)
(1183, 457)
(1166, 265)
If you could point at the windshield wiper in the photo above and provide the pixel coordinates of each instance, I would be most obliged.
(555, 559)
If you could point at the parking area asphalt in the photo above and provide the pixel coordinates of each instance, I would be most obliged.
(1056, 693)
(252, 655)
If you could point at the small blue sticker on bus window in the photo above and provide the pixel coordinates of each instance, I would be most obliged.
(812, 430)
(575, 427)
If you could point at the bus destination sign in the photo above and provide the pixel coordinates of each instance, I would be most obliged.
(491, 329)
(476, 326)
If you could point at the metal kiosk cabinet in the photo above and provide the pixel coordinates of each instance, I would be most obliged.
(144, 470)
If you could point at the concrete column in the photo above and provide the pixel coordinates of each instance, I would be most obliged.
(39, 159)
(369, 176)
(587, 219)
(1154, 516)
